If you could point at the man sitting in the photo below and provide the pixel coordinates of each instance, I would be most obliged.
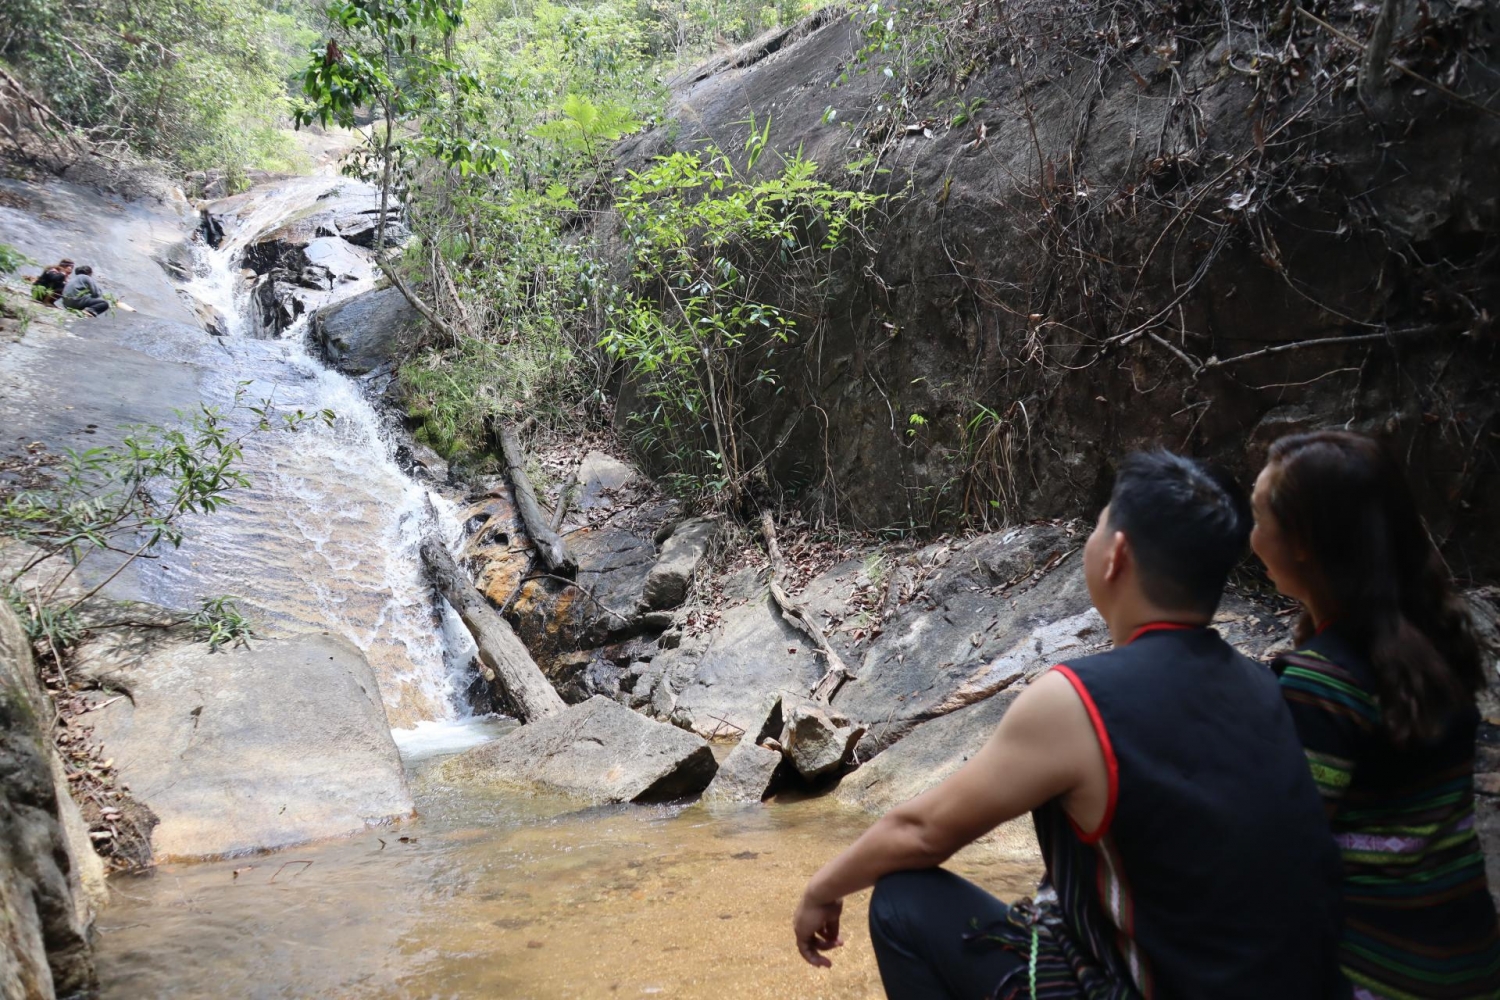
(82, 292)
(1186, 849)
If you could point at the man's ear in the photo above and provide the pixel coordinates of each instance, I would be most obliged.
(1117, 559)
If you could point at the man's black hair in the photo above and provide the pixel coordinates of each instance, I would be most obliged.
(83, 269)
(1187, 526)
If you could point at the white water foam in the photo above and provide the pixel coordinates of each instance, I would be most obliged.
(327, 535)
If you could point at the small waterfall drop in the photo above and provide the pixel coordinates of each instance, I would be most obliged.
(326, 536)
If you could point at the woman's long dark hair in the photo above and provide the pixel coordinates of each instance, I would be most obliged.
(1342, 499)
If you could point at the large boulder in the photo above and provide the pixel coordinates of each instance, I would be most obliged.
(925, 758)
(744, 776)
(46, 913)
(246, 749)
(977, 600)
(717, 683)
(935, 747)
(668, 582)
(371, 331)
(598, 750)
(818, 739)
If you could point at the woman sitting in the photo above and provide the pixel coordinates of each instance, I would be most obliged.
(48, 286)
(1382, 687)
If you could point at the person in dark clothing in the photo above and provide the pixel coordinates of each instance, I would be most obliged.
(82, 293)
(48, 286)
(1381, 688)
(1187, 853)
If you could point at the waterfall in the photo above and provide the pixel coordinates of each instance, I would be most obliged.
(326, 536)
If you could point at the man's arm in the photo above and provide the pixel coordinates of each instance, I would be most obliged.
(1044, 748)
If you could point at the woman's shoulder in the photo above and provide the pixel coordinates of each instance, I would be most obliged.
(1328, 669)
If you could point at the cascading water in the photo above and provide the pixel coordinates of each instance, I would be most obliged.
(326, 536)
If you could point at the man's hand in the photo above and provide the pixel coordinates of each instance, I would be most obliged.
(817, 928)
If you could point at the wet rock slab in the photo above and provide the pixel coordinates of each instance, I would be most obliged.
(598, 750)
(246, 749)
(370, 331)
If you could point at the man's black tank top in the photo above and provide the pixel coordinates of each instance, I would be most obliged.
(1213, 875)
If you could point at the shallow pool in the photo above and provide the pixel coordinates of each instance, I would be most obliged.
(508, 896)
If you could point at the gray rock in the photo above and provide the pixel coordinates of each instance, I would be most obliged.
(723, 679)
(933, 751)
(372, 330)
(668, 582)
(248, 749)
(981, 600)
(817, 740)
(45, 911)
(951, 350)
(772, 722)
(930, 754)
(598, 750)
(744, 776)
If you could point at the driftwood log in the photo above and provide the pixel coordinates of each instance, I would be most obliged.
(505, 659)
(797, 614)
(550, 547)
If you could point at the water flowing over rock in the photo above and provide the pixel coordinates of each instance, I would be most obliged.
(245, 749)
(597, 750)
(327, 535)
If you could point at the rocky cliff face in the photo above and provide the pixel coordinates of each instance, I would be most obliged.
(1112, 225)
(46, 912)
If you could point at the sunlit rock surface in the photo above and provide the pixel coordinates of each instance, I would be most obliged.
(243, 749)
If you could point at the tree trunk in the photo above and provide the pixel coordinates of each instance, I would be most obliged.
(550, 547)
(499, 650)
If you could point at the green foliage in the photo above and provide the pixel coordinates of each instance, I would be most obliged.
(584, 126)
(12, 259)
(47, 626)
(196, 82)
(452, 392)
(695, 313)
(218, 622)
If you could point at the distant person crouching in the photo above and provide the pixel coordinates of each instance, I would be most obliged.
(48, 286)
(82, 292)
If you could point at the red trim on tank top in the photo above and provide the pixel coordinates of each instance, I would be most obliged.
(1324, 627)
(1159, 627)
(1111, 765)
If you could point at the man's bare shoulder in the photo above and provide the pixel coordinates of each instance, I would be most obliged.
(1050, 710)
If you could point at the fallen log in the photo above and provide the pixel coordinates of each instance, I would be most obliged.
(506, 659)
(550, 547)
(797, 615)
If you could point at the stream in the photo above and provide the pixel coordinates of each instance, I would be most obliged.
(484, 893)
(326, 536)
(516, 897)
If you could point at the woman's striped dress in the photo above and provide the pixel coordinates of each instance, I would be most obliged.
(1419, 921)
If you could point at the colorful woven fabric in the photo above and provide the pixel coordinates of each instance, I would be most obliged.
(1064, 929)
(1419, 920)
